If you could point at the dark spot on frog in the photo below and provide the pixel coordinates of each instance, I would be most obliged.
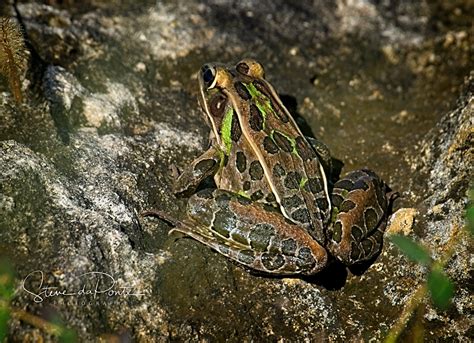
(241, 161)
(347, 205)
(246, 185)
(355, 251)
(202, 167)
(280, 113)
(238, 236)
(270, 146)
(282, 141)
(242, 91)
(344, 184)
(255, 118)
(315, 185)
(356, 233)
(305, 259)
(371, 219)
(222, 199)
(272, 262)
(257, 195)
(246, 257)
(337, 232)
(288, 246)
(336, 200)
(303, 149)
(261, 87)
(235, 130)
(260, 236)
(270, 198)
(223, 223)
(292, 202)
(278, 170)
(226, 160)
(256, 171)
(217, 105)
(361, 184)
(322, 204)
(301, 215)
(292, 180)
(367, 246)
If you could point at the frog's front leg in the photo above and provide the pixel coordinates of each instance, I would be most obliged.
(205, 165)
(360, 206)
(252, 234)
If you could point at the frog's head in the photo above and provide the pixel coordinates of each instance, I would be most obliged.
(223, 93)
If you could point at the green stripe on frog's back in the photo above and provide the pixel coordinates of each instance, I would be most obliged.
(226, 130)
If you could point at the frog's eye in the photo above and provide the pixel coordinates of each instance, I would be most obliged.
(208, 74)
(251, 68)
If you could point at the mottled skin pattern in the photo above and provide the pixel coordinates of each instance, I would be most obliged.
(252, 234)
(274, 210)
(358, 230)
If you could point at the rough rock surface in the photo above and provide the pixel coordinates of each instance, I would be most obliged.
(111, 104)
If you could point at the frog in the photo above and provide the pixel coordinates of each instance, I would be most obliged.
(274, 208)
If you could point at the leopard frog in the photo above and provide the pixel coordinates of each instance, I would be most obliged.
(274, 209)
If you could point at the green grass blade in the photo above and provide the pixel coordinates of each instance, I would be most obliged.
(441, 288)
(411, 249)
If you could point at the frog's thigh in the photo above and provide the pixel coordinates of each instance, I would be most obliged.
(252, 235)
(360, 202)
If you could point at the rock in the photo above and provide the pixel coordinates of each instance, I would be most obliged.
(401, 222)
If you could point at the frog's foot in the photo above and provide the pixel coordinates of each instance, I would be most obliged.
(251, 234)
(360, 211)
(205, 165)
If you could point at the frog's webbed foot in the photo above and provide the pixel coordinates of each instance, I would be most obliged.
(360, 211)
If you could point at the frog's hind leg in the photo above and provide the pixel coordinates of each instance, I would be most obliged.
(252, 234)
(360, 210)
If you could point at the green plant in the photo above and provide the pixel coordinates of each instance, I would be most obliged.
(440, 287)
(437, 284)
